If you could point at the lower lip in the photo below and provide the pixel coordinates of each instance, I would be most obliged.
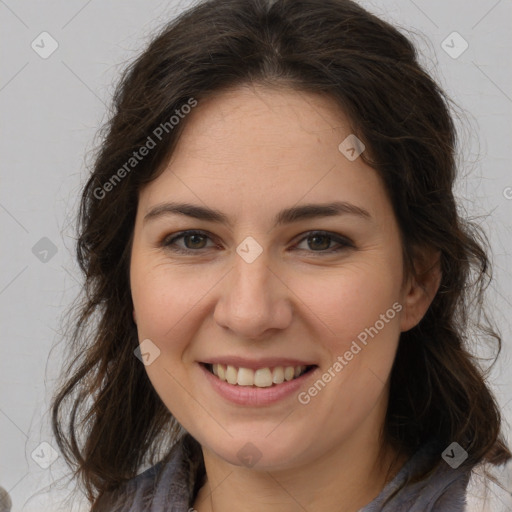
(253, 396)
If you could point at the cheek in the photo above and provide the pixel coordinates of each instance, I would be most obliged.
(352, 299)
(165, 298)
(357, 317)
(357, 312)
(165, 301)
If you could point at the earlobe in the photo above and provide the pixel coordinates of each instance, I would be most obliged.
(421, 288)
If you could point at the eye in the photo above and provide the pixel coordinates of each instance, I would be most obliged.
(195, 241)
(320, 241)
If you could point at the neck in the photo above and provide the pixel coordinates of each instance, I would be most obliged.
(343, 479)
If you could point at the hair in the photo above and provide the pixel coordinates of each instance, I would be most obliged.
(107, 418)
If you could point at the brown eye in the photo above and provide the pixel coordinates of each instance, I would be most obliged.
(196, 241)
(321, 241)
(316, 242)
(192, 241)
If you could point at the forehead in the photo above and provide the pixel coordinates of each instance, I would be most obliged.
(269, 119)
(257, 147)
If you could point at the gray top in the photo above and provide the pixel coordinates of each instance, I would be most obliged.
(172, 485)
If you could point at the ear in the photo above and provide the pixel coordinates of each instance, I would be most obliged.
(421, 288)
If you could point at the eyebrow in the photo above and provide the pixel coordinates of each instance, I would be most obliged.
(286, 216)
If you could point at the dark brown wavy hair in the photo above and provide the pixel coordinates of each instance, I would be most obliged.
(107, 418)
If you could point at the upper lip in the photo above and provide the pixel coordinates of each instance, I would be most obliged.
(264, 362)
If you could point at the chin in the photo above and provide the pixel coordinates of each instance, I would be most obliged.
(259, 451)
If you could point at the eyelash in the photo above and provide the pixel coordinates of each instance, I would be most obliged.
(345, 243)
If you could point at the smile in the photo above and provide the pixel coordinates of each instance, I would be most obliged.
(260, 377)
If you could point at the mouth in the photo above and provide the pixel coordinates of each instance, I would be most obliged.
(266, 377)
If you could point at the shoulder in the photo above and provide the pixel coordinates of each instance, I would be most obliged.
(451, 493)
(442, 490)
(169, 482)
(130, 494)
(482, 488)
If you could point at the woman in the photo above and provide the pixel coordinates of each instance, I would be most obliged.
(277, 278)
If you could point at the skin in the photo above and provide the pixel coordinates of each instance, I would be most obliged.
(250, 152)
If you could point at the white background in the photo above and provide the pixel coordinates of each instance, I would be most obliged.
(50, 111)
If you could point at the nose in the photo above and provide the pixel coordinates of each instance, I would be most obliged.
(254, 302)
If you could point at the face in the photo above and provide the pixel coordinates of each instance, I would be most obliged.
(262, 283)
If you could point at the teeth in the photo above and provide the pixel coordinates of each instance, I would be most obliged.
(231, 374)
(289, 373)
(261, 378)
(278, 375)
(245, 377)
